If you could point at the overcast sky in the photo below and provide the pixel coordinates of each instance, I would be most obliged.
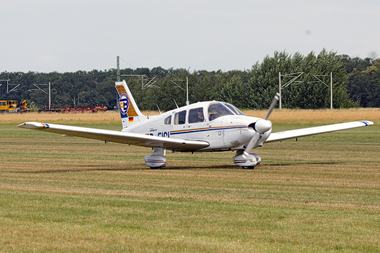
(71, 35)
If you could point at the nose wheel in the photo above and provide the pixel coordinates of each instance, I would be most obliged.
(157, 159)
(246, 160)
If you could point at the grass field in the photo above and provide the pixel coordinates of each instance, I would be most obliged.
(319, 194)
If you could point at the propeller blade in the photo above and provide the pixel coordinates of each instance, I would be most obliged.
(253, 142)
(273, 104)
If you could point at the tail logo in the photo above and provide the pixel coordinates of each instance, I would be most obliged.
(124, 104)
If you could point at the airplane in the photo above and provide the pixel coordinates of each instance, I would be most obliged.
(200, 127)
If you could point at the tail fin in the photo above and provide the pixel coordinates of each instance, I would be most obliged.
(130, 113)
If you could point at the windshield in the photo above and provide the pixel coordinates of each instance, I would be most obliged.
(217, 110)
(234, 109)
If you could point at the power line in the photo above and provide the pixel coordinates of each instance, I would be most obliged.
(128, 63)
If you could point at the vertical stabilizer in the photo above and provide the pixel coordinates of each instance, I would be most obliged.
(129, 112)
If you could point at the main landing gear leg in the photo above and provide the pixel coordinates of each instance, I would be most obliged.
(157, 159)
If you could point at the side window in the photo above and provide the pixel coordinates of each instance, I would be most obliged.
(196, 115)
(168, 120)
(180, 118)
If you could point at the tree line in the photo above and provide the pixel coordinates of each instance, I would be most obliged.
(356, 82)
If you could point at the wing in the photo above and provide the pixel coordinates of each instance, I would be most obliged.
(119, 137)
(279, 136)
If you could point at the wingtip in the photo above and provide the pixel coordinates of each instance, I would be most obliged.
(367, 122)
(31, 125)
(23, 125)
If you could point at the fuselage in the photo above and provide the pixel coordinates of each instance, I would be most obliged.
(221, 124)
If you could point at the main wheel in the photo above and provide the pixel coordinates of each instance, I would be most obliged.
(248, 167)
(155, 168)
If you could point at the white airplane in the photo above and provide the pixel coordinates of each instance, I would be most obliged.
(199, 127)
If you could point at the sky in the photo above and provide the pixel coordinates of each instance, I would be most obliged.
(71, 35)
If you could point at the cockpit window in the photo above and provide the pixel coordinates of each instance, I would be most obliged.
(234, 109)
(217, 110)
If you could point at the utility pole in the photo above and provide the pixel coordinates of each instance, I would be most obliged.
(49, 94)
(118, 69)
(331, 92)
(7, 80)
(187, 89)
(279, 89)
(13, 89)
(49, 97)
(294, 76)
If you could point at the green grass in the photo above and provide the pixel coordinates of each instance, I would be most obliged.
(60, 194)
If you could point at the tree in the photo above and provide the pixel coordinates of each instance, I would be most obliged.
(364, 86)
(354, 79)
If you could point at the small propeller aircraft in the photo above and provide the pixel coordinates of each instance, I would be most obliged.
(199, 127)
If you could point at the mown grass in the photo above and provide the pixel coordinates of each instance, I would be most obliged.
(63, 194)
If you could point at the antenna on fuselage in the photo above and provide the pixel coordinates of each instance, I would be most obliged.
(159, 109)
(175, 103)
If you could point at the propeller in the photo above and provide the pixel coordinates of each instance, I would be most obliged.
(261, 126)
(273, 104)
